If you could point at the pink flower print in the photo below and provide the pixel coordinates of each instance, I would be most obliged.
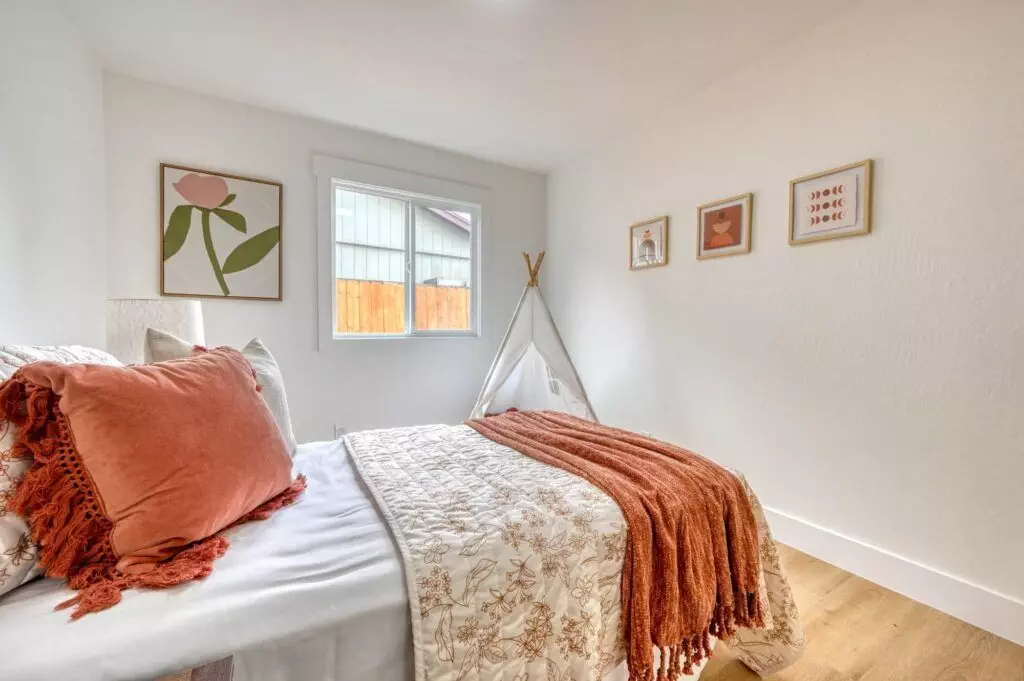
(205, 191)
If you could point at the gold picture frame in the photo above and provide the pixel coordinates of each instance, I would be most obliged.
(648, 243)
(255, 233)
(813, 216)
(733, 230)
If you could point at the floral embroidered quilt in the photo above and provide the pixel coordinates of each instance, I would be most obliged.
(514, 567)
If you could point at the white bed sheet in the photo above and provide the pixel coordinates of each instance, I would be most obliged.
(315, 592)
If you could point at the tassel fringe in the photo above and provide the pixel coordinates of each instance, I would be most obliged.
(679, 659)
(67, 520)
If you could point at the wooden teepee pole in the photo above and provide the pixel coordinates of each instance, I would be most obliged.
(533, 268)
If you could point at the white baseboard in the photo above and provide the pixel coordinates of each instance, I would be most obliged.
(992, 611)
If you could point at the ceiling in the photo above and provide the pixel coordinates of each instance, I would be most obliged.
(530, 83)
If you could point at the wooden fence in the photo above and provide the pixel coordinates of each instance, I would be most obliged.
(379, 307)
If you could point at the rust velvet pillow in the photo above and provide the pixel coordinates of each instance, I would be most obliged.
(136, 469)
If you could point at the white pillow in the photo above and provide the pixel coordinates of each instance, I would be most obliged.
(162, 346)
(19, 560)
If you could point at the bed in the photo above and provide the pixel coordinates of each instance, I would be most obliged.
(315, 592)
(318, 591)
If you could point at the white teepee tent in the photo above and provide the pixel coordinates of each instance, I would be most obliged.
(532, 369)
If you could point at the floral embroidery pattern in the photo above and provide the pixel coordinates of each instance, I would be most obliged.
(17, 552)
(518, 581)
(769, 650)
(573, 639)
(554, 675)
(435, 590)
(518, 565)
(512, 534)
(434, 551)
(7, 496)
(24, 550)
(532, 643)
(615, 543)
(581, 592)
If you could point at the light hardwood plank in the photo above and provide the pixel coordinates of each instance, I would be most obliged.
(859, 631)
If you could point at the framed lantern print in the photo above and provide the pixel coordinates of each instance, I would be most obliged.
(831, 205)
(723, 227)
(648, 243)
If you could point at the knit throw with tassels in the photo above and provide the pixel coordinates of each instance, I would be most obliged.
(691, 569)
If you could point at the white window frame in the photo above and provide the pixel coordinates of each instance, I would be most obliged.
(416, 189)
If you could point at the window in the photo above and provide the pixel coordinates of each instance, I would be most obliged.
(403, 263)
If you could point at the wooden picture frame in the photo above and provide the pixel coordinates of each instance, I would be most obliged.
(820, 204)
(648, 243)
(724, 227)
(195, 202)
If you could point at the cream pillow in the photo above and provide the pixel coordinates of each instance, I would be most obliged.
(162, 346)
(19, 557)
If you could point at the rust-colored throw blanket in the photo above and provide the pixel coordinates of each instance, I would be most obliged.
(691, 567)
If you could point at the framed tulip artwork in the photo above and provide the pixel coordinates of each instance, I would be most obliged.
(220, 235)
(723, 227)
(830, 205)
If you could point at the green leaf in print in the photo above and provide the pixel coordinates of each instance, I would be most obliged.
(252, 250)
(227, 201)
(177, 229)
(236, 220)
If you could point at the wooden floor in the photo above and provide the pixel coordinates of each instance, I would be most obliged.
(858, 631)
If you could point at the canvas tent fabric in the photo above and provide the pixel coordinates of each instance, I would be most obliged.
(532, 369)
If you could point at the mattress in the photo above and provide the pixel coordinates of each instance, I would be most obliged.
(315, 592)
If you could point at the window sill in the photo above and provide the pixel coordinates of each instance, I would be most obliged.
(402, 336)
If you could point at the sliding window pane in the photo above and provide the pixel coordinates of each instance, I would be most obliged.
(443, 267)
(370, 258)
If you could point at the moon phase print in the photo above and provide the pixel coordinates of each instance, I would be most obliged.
(832, 204)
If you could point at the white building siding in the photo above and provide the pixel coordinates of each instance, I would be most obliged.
(442, 249)
(370, 263)
(371, 241)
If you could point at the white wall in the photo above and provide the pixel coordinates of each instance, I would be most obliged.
(52, 280)
(366, 383)
(873, 386)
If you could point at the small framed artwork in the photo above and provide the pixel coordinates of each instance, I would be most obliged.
(220, 235)
(831, 205)
(723, 227)
(648, 243)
